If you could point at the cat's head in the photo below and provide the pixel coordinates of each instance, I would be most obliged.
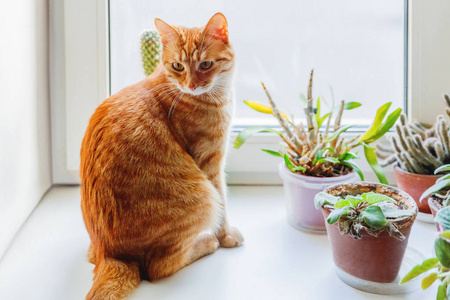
(197, 60)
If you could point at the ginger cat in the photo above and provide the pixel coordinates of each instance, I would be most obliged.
(152, 163)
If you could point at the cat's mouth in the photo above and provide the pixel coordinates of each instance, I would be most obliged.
(194, 91)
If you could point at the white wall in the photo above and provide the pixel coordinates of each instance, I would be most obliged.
(429, 58)
(24, 113)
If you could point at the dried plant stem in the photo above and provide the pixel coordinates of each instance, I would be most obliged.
(291, 146)
(337, 121)
(280, 119)
(327, 129)
(309, 111)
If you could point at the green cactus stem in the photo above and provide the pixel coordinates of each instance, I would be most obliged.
(150, 51)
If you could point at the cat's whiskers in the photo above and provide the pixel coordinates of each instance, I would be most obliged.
(158, 88)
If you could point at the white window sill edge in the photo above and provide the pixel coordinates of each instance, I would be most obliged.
(48, 255)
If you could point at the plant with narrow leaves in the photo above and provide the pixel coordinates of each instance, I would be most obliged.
(371, 211)
(151, 49)
(438, 268)
(441, 189)
(317, 150)
(419, 148)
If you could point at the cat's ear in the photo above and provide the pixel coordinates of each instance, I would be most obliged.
(166, 32)
(217, 27)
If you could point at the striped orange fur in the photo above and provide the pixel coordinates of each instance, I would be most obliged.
(152, 163)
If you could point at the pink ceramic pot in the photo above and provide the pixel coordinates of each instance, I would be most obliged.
(435, 206)
(300, 191)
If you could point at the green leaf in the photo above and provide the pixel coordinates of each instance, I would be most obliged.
(299, 168)
(354, 200)
(392, 212)
(448, 290)
(420, 269)
(319, 119)
(342, 203)
(271, 152)
(441, 293)
(354, 167)
(320, 153)
(332, 160)
(351, 105)
(445, 177)
(348, 156)
(336, 214)
(321, 198)
(381, 112)
(390, 121)
(444, 168)
(428, 280)
(318, 111)
(248, 132)
(373, 198)
(435, 188)
(374, 217)
(337, 133)
(348, 106)
(322, 119)
(447, 201)
(442, 249)
(290, 166)
(443, 218)
(373, 163)
(288, 162)
(445, 235)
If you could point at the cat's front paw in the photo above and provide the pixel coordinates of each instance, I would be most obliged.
(230, 238)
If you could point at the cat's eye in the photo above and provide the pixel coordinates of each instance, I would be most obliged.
(177, 66)
(205, 65)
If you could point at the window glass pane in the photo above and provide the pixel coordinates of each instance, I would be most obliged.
(356, 47)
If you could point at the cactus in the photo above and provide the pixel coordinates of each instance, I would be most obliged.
(419, 148)
(150, 50)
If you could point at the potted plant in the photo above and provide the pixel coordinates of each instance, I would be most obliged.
(317, 156)
(416, 151)
(368, 226)
(439, 193)
(438, 267)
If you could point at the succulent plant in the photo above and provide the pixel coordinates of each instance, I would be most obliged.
(441, 189)
(150, 50)
(316, 149)
(372, 211)
(419, 148)
(440, 265)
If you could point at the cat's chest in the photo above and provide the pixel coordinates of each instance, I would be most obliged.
(205, 129)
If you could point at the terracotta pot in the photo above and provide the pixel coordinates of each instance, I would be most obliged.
(376, 259)
(435, 206)
(415, 185)
(300, 191)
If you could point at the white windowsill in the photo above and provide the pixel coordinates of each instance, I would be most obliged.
(47, 259)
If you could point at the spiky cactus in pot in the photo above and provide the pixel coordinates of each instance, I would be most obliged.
(150, 50)
(419, 148)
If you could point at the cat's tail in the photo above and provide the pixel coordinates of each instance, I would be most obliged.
(114, 279)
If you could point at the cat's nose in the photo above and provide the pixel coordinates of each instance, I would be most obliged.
(192, 87)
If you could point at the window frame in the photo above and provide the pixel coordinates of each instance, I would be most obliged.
(80, 58)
